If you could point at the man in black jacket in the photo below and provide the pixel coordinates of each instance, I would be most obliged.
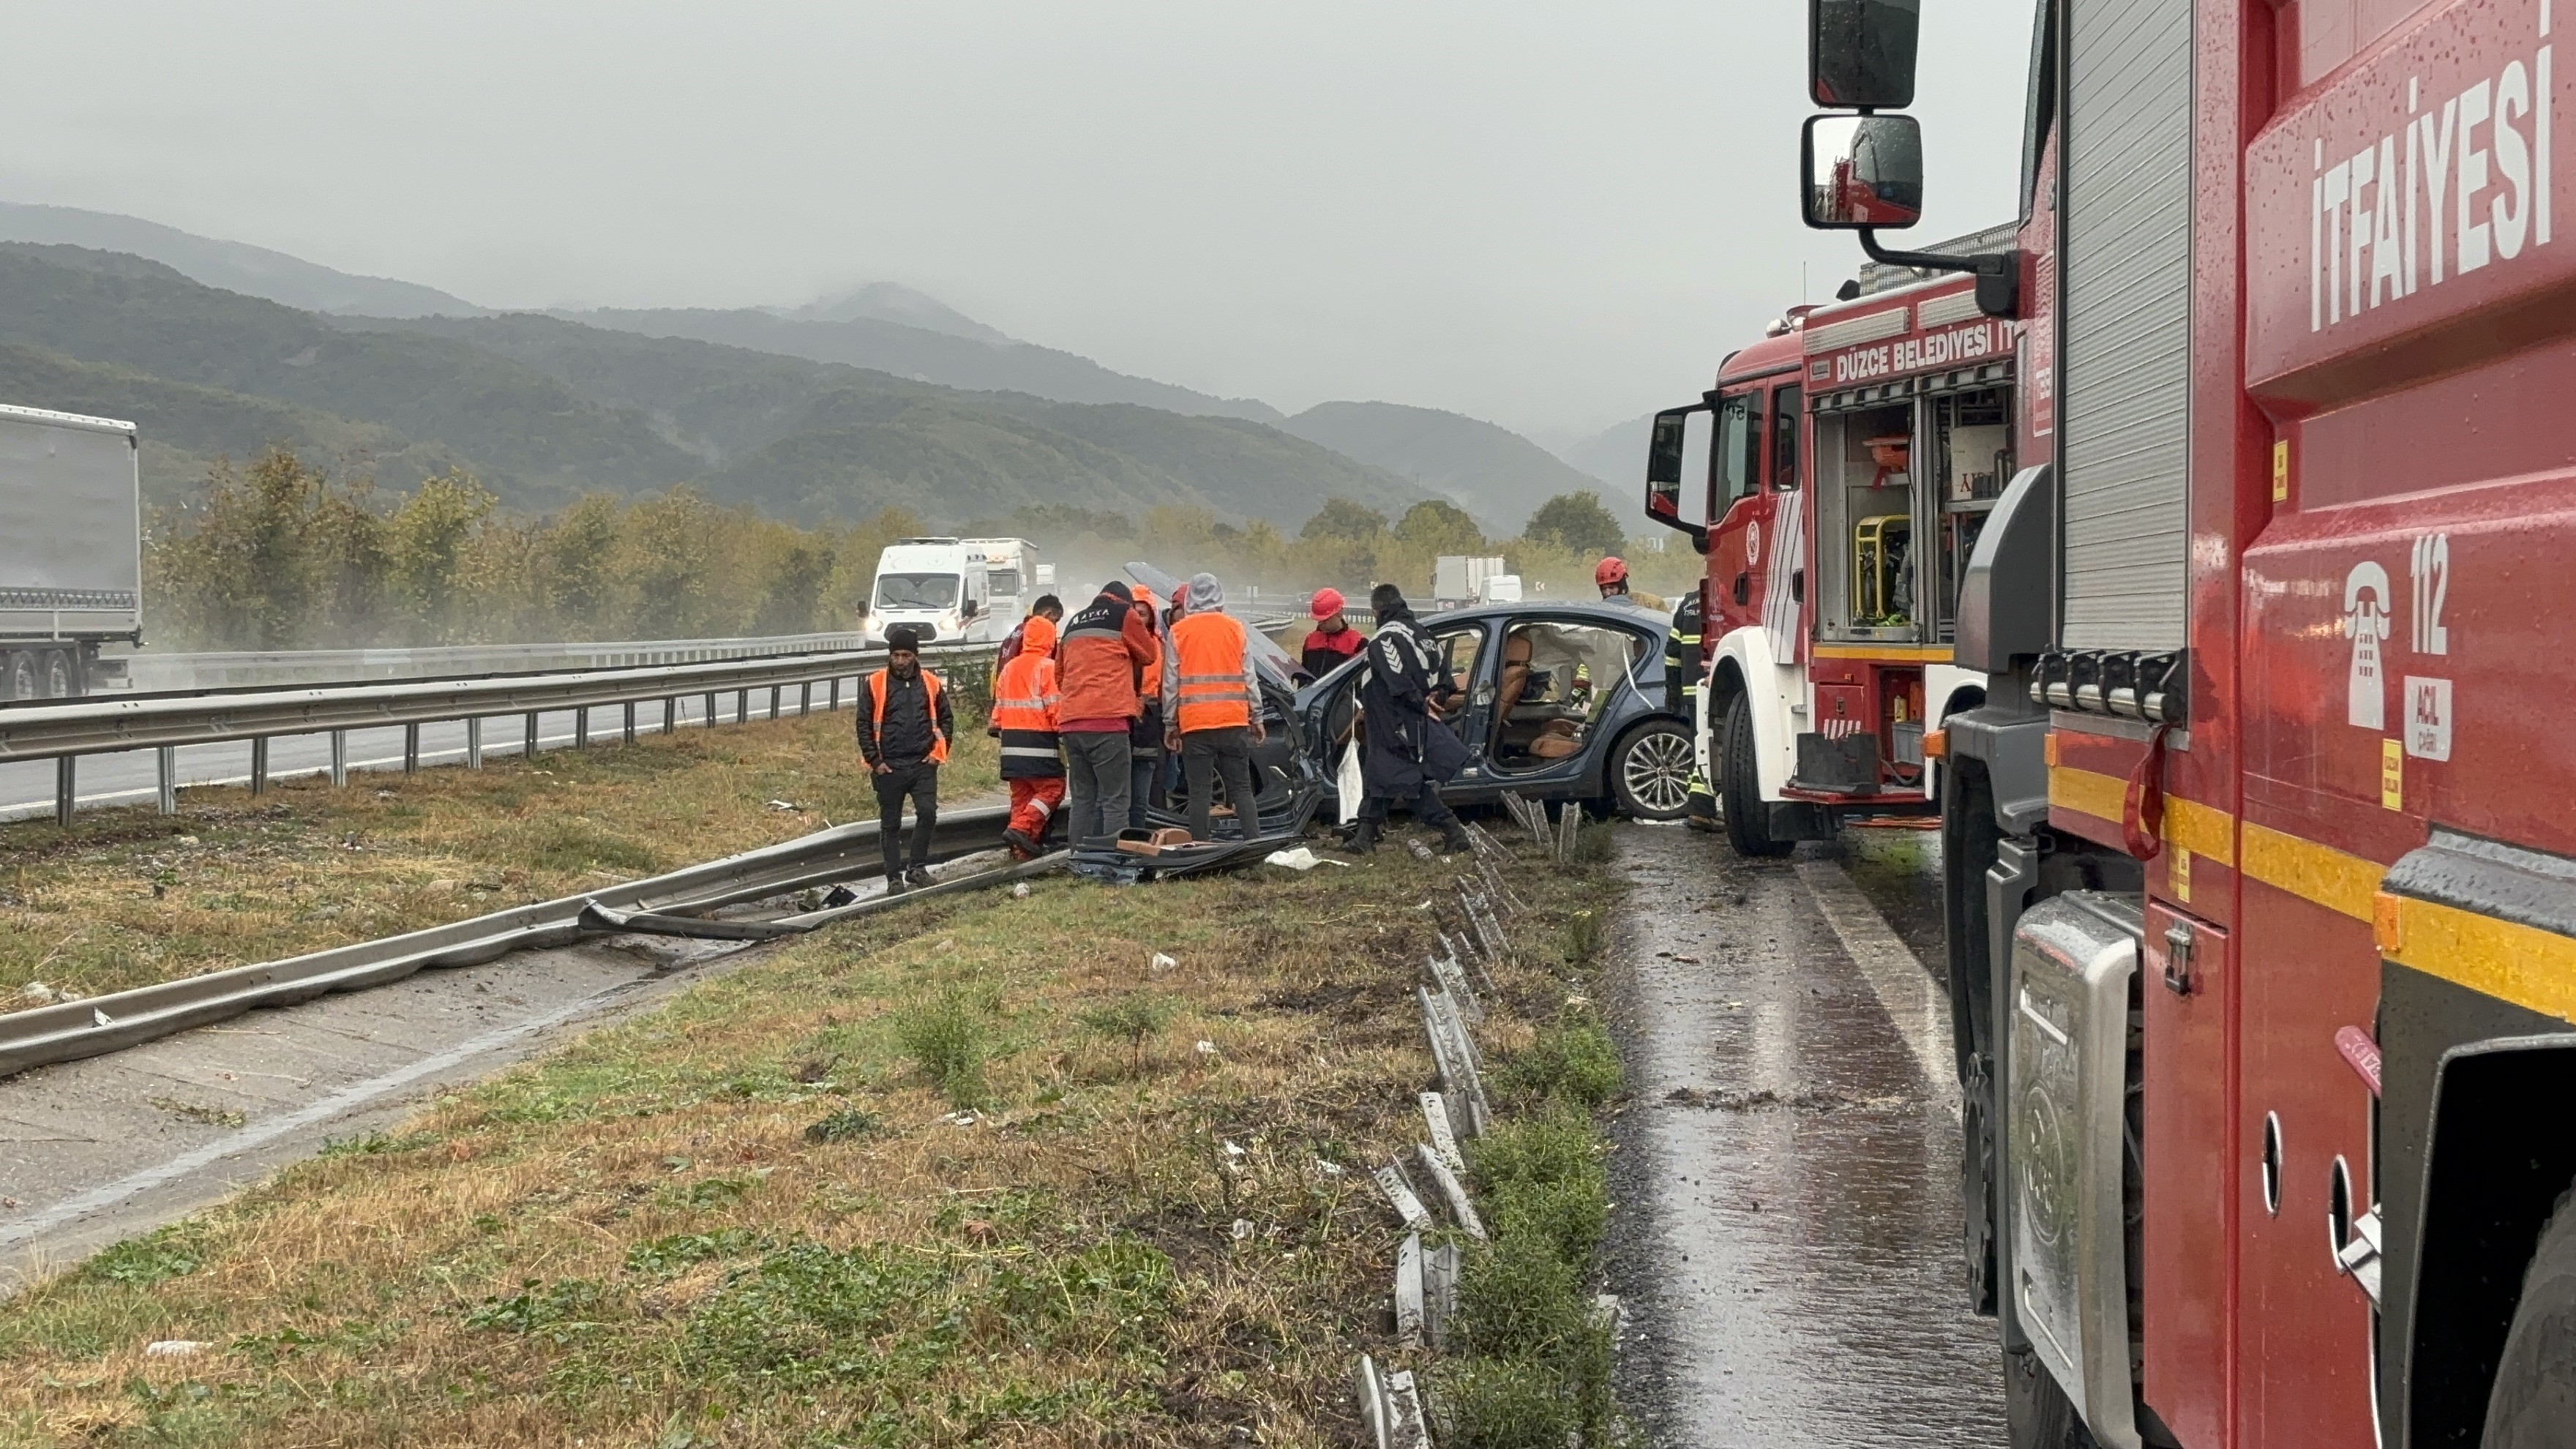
(1683, 668)
(904, 730)
(1409, 753)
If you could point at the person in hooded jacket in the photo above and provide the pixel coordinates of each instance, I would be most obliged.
(1409, 753)
(1024, 719)
(1332, 639)
(1105, 652)
(1047, 607)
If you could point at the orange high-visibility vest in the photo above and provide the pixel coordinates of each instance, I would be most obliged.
(1149, 683)
(929, 705)
(1211, 686)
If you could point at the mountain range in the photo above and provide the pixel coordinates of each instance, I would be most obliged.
(878, 395)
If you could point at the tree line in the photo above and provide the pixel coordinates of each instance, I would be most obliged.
(281, 554)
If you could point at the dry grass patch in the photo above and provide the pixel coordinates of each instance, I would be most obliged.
(757, 1217)
(127, 897)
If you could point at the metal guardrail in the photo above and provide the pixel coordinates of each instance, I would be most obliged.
(250, 668)
(101, 1024)
(162, 722)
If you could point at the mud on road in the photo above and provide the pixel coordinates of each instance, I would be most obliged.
(1786, 1245)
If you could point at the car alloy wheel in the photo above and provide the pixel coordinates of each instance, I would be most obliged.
(1655, 771)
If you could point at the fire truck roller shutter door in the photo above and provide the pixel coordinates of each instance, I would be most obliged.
(2127, 249)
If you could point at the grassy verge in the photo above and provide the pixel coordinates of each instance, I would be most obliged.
(127, 897)
(760, 1216)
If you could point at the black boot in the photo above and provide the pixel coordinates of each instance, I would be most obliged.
(1363, 839)
(1454, 841)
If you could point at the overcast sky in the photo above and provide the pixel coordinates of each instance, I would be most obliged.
(1553, 216)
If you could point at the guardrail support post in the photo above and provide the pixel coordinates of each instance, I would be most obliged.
(711, 711)
(670, 714)
(411, 749)
(835, 705)
(63, 789)
(339, 759)
(805, 698)
(581, 728)
(259, 765)
(742, 706)
(630, 721)
(474, 742)
(774, 691)
(532, 735)
(166, 763)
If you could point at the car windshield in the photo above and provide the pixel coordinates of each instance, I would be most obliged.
(917, 591)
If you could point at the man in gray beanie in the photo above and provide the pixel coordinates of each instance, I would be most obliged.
(1212, 706)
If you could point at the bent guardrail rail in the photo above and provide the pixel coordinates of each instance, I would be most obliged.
(97, 1025)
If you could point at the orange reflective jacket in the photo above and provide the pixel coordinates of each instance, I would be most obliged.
(1024, 707)
(1214, 683)
(930, 705)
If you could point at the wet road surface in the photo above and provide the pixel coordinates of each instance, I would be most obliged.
(1787, 1241)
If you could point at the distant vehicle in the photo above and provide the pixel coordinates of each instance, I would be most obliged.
(1458, 578)
(71, 552)
(1499, 589)
(941, 586)
(1013, 576)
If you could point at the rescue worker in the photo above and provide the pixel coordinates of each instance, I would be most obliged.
(1682, 671)
(1333, 639)
(1611, 575)
(1211, 700)
(1145, 739)
(1104, 654)
(1410, 753)
(1024, 719)
(1049, 608)
(904, 730)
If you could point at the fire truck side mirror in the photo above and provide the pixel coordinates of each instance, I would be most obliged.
(1860, 53)
(1667, 461)
(1862, 171)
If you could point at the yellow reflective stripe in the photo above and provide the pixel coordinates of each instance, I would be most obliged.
(2532, 968)
(1929, 654)
(1211, 679)
(2201, 829)
(2087, 792)
(2338, 881)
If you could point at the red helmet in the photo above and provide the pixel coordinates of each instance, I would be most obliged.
(1328, 602)
(1611, 570)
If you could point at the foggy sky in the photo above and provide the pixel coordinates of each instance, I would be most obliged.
(1552, 216)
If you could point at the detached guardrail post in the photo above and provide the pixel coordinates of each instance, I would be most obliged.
(411, 749)
(474, 742)
(259, 764)
(63, 789)
(531, 751)
(339, 759)
(165, 762)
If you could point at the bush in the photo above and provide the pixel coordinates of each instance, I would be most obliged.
(1583, 937)
(847, 1125)
(1133, 1018)
(1544, 1181)
(1501, 1404)
(1518, 1299)
(949, 1036)
(1573, 1061)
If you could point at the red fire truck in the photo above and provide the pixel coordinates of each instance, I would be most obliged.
(1854, 453)
(2262, 905)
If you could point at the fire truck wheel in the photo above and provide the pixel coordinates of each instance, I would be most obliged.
(58, 674)
(2037, 1413)
(2533, 1403)
(23, 680)
(1650, 773)
(1741, 787)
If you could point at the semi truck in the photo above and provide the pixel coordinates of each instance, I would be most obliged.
(71, 554)
(1853, 454)
(2259, 867)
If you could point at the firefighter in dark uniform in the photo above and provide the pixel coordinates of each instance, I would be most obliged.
(1682, 671)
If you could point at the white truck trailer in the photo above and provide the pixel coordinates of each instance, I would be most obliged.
(71, 551)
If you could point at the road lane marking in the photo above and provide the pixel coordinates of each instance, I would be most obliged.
(1911, 996)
